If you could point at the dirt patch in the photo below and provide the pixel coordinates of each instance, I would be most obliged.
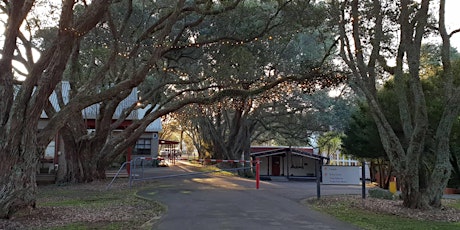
(88, 205)
(392, 207)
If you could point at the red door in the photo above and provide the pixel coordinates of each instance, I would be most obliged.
(275, 166)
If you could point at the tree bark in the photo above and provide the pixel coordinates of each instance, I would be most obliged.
(17, 174)
(21, 109)
(84, 160)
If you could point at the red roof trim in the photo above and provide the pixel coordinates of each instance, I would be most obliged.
(256, 149)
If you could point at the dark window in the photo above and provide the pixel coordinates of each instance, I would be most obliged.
(143, 146)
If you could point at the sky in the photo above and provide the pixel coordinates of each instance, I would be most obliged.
(453, 20)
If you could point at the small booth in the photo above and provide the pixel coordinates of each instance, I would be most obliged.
(294, 163)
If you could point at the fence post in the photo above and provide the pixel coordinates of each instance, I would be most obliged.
(128, 159)
(130, 176)
(257, 173)
(363, 179)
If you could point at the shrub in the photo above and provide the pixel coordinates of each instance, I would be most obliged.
(381, 194)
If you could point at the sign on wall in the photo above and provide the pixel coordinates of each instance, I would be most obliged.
(333, 174)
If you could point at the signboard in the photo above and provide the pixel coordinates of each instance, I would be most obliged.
(332, 174)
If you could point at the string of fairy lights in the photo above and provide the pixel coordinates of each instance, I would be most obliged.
(260, 39)
(236, 42)
(207, 44)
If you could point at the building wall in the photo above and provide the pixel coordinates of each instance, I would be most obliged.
(300, 166)
(265, 168)
(150, 150)
(291, 164)
(54, 152)
(155, 145)
(90, 113)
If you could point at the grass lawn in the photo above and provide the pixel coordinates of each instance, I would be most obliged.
(212, 168)
(365, 219)
(454, 204)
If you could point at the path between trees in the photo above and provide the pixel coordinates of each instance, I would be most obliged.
(222, 202)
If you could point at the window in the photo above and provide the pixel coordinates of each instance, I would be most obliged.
(143, 146)
(49, 151)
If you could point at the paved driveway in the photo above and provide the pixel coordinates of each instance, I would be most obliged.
(220, 202)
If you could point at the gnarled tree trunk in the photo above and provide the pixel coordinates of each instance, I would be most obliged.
(81, 162)
(18, 170)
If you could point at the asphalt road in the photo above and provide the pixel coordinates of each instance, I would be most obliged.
(220, 202)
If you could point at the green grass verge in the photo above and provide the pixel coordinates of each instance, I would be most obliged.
(86, 226)
(454, 204)
(377, 221)
(216, 171)
(92, 200)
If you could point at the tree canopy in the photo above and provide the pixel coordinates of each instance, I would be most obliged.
(244, 55)
(105, 49)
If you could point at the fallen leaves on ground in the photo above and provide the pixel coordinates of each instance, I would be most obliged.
(87, 204)
(392, 207)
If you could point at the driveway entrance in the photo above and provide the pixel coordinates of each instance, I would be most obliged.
(222, 202)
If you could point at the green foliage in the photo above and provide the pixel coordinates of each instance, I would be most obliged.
(330, 142)
(381, 194)
(361, 138)
(307, 114)
(455, 140)
(272, 48)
